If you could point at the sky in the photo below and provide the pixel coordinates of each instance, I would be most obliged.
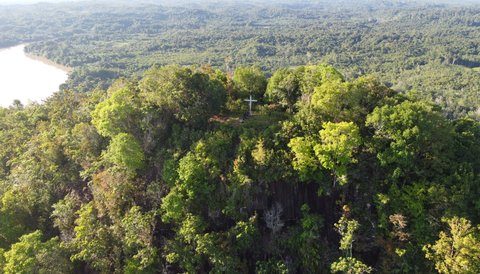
(31, 1)
(183, 2)
(160, 1)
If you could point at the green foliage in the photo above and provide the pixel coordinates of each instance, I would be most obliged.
(15, 216)
(93, 240)
(338, 143)
(284, 88)
(308, 233)
(333, 149)
(250, 81)
(138, 241)
(188, 94)
(155, 176)
(31, 255)
(125, 152)
(181, 250)
(346, 228)
(191, 190)
(305, 161)
(313, 76)
(64, 215)
(348, 264)
(412, 139)
(441, 64)
(117, 114)
(458, 249)
(271, 266)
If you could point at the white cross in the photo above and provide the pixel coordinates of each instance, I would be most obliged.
(250, 101)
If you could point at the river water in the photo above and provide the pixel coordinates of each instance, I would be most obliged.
(26, 79)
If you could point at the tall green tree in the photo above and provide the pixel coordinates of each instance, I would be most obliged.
(458, 249)
(250, 81)
(32, 255)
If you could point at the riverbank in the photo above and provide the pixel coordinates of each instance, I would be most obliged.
(49, 62)
(42, 59)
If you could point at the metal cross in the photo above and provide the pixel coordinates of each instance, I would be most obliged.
(250, 101)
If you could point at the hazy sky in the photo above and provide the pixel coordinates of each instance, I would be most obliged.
(183, 2)
(32, 1)
(293, 1)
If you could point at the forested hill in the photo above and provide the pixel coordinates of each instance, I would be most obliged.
(428, 47)
(166, 174)
(360, 156)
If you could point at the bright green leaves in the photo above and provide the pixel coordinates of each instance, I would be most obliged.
(194, 247)
(346, 228)
(412, 139)
(250, 81)
(335, 100)
(31, 255)
(119, 112)
(338, 143)
(193, 177)
(173, 205)
(138, 241)
(117, 117)
(105, 246)
(338, 101)
(333, 149)
(458, 249)
(308, 234)
(348, 264)
(16, 215)
(93, 240)
(125, 151)
(305, 161)
(182, 249)
(64, 215)
(192, 188)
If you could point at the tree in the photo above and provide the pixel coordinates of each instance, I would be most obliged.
(190, 95)
(94, 242)
(284, 88)
(412, 140)
(119, 113)
(250, 81)
(338, 142)
(313, 76)
(332, 149)
(307, 233)
(192, 189)
(31, 255)
(64, 215)
(458, 249)
(348, 264)
(125, 152)
(305, 162)
(137, 240)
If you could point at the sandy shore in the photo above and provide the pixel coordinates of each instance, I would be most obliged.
(42, 59)
(48, 62)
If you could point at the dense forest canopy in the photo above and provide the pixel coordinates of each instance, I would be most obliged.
(430, 48)
(163, 175)
(361, 155)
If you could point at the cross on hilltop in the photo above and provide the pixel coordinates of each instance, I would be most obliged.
(250, 101)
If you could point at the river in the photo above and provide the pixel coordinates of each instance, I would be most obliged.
(26, 79)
